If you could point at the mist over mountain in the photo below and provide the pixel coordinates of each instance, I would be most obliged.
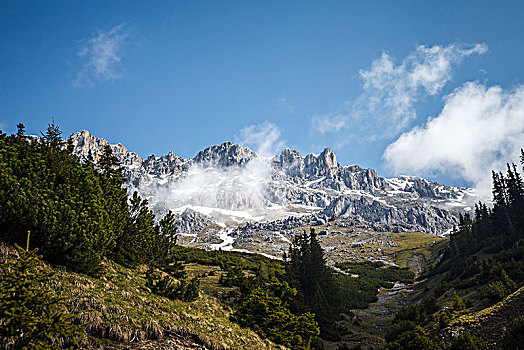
(229, 184)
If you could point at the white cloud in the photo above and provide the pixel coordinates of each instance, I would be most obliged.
(102, 56)
(390, 90)
(387, 103)
(235, 188)
(329, 122)
(264, 138)
(479, 129)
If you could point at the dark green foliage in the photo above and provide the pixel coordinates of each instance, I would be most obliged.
(467, 341)
(77, 213)
(175, 269)
(328, 294)
(167, 287)
(306, 267)
(191, 289)
(493, 232)
(377, 270)
(458, 303)
(30, 316)
(43, 188)
(268, 316)
(500, 289)
(319, 291)
(357, 293)
(486, 252)
(514, 337)
(226, 259)
(20, 130)
(406, 335)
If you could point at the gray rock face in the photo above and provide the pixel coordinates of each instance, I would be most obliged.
(415, 216)
(224, 155)
(230, 177)
(191, 221)
(165, 165)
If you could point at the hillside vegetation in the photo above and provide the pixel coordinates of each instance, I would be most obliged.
(119, 275)
(99, 270)
(471, 298)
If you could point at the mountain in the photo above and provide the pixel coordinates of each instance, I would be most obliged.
(226, 186)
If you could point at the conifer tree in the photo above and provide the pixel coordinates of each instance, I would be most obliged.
(30, 316)
(20, 130)
(307, 271)
(53, 136)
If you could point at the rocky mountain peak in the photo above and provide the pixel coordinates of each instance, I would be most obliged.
(314, 181)
(325, 164)
(328, 158)
(226, 154)
(85, 142)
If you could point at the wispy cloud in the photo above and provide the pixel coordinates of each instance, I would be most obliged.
(102, 57)
(264, 138)
(232, 188)
(389, 91)
(285, 103)
(479, 129)
(329, 122)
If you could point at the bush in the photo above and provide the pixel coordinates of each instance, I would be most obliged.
(266, 316)
(514, 337)
(467, 341)
(168, 287)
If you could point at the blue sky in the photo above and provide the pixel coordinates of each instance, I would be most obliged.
(360, 77)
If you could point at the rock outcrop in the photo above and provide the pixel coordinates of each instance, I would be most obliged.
(229, 177)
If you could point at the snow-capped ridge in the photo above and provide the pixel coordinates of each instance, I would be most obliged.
(234, 179)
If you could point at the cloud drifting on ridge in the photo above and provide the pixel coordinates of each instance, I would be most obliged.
(264, 138)
(479, 129)
(235, 188)
(390, 91)
(102, 56)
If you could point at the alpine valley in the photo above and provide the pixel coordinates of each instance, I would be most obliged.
(232, 249)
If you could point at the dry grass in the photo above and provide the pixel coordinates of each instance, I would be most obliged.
(119, 311)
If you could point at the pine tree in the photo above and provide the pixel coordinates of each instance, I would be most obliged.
(30, 316)
(20, 130)
(307, 271)
(53, 136)
(108, 161)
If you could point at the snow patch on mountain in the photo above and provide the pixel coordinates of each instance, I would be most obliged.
(229, 185)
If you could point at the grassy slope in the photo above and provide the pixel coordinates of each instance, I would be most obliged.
(481, 317)
(122, 313)
(377, 318)
(489, 323)
(120, 310)
(413, 243)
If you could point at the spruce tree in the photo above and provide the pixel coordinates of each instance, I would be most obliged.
(307, 271)
(20, 130)
(30, 316)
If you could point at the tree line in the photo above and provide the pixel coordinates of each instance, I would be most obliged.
(485, 254)
(77, 212)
